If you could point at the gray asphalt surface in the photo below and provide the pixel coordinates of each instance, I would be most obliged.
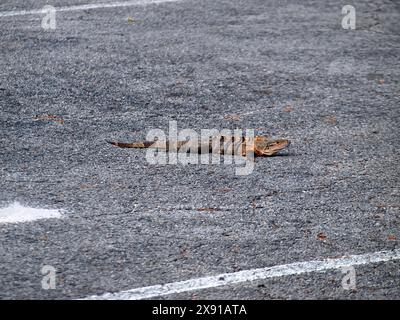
(284, 68)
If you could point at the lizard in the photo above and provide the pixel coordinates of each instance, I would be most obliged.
(261, 145)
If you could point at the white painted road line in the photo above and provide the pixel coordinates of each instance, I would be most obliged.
(92, 6)
(249, 275)
(16, 213)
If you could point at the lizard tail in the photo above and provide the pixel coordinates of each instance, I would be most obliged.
(130, 145)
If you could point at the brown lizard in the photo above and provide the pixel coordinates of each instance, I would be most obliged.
(261, 146)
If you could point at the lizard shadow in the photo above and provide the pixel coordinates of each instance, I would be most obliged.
(286, 154)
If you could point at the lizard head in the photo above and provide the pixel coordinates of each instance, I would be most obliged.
(268, 147)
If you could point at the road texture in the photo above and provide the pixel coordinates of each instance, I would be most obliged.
(284, 68)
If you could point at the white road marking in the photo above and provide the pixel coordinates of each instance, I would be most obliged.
(16, 213)
(91, 6)
(249, 275)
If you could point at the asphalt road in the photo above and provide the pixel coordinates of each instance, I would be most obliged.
(284, 68)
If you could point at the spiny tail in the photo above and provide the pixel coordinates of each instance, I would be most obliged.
(142, 144)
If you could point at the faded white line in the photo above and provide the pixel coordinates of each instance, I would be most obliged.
(118, 4)
(249, 275)
(16, 213)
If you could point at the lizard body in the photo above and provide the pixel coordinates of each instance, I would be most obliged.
(261, 145)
